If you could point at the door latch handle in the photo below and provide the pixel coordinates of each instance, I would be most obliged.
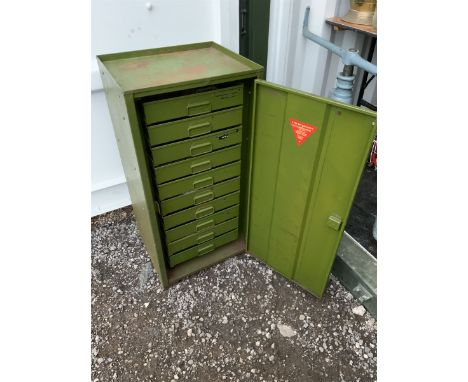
(334, 221)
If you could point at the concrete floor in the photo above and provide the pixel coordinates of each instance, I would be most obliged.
(237, 321)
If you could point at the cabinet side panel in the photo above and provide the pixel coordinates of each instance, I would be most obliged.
(136, 168)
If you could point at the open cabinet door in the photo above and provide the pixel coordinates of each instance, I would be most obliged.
(307, 157)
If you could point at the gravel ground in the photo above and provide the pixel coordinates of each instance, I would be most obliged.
(237, 321)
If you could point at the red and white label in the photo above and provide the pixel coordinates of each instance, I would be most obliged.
(301, 130)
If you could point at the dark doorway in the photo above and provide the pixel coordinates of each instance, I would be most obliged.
(254, 22)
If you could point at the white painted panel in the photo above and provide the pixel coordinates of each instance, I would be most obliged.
(299, 63)
(126, 25)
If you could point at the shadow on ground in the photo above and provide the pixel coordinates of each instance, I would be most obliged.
(222, 324)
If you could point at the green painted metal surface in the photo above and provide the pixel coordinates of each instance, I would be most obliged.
(196, 165)
(204, 248)
(195, 126)
(198, 181)
(200, 224)
(177, 67)
(214, 185)
(201, 211)
(191, 105)
(198, 197)
(202, 236)
(196, 146)
(130, 77)
(301, 194)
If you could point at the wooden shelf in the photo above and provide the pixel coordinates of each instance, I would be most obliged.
(339, 24)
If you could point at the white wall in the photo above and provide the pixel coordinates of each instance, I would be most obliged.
(124, 25)
(300, 63)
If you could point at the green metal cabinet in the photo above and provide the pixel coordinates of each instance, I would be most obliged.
(219, 162)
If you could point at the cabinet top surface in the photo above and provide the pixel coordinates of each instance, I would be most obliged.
(141, 70)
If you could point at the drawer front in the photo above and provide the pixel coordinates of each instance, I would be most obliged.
(199, 181)
(196, 165)
(193, 127)
(196, 146)
(203, 248)
(202, 236)
(201, 224)
(193, 104)
(201, 211)
(196, 198)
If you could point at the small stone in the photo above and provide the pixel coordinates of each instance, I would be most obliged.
(100, 360)
(271, 358)
(176, 376)
(302, 317)
(190, 362)
(286, 331)
(359, 310)
(189, 332)
(268, 335)
(225, 320)
(257, 343)
(273, 346)
(146, 304)
(272, 326)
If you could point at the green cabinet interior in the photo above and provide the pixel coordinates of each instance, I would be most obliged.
(294, 199)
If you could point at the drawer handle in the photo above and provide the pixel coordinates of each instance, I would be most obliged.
(205, 249)
(202, 198)
(199, 129)
(202, 148)
(205, 237)
(200, 183)
(205, 224)
(200, 166)
(199, 108)
(201, 213)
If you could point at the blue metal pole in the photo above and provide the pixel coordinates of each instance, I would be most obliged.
(350, 57)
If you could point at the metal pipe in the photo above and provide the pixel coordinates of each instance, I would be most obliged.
(349, 57)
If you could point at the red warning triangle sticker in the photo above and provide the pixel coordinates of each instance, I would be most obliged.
(301, 130)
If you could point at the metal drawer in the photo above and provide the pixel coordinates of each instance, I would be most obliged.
(201, 211)
(193, 127)
(203, 249)
(191, 166)
(201, 237)
(196, 198)
(196, 182)
(193, 104)
(201, 224)
(196, 146)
